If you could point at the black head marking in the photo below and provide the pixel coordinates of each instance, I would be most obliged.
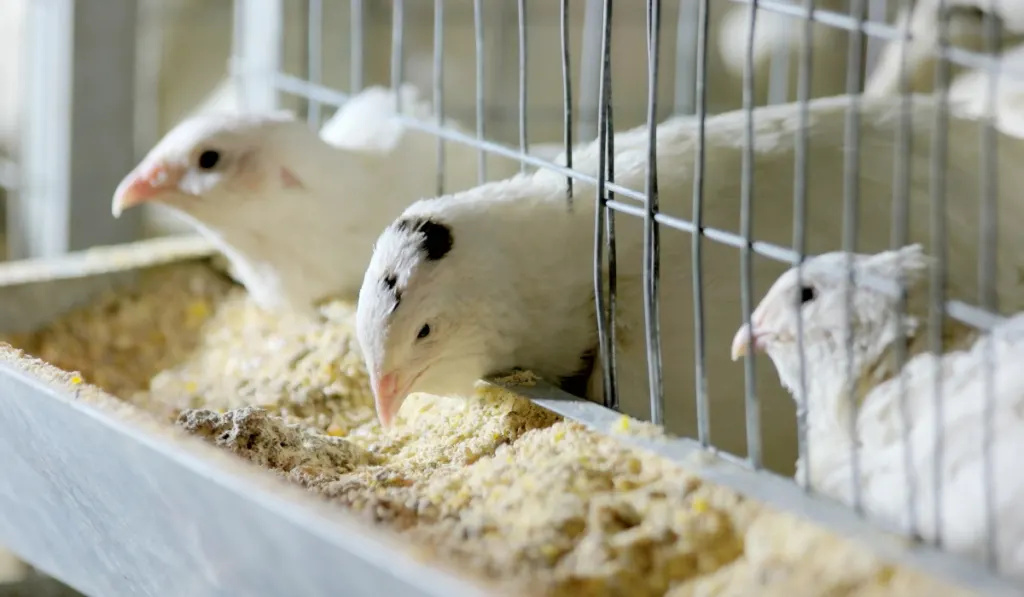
(390, 282)
(437, 237)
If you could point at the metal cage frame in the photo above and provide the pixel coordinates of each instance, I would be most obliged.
(258, 68)
(260, 71)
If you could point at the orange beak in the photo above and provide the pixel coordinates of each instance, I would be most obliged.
(386, 398)
(139, 187)
(744, 338)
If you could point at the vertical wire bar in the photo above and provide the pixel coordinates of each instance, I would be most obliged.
(567, 97)
(687, 54)
(523, 145)
(900, 238)
(753, 409)
(803, 92)
(261, 27)
(937, 311)
(652, 244)
(609, 133)
(439, 88)
(481, 81)
(397, 51)
(877, 10)
(314, 57)
(697, 256)
(356, 26)
(590, 75)
(604, 315)
(987, 295)
(851, 208)
(778, 73)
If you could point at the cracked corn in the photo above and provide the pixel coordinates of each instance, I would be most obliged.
(494, 483)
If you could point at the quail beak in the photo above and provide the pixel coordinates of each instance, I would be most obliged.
(144, 184)
(742, 340)
(388, 398)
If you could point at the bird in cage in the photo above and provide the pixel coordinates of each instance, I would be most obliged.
(973, 92)
(296, 213)
(923, 22)
(858, 394)
(502, 276)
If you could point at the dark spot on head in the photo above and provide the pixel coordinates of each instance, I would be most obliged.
(390, 282)
(437, 238)
(807, 294)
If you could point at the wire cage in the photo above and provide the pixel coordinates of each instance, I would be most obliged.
(809, 126)
(578, 73)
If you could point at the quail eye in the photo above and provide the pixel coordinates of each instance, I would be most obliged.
(209, 159)
(424, 332)
(807, 294)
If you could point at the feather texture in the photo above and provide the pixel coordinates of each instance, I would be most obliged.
(923, 23)
(296, 214)
(898, 417)
(517, 287)
(972, 91)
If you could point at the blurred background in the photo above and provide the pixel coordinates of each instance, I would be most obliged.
(87, 88)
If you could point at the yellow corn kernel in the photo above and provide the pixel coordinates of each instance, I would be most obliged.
(623, 423)
(559, 435)
(335, 430)
(76, 380)
(700, 505)
(190, 386)
(198, 310)
(549, 551)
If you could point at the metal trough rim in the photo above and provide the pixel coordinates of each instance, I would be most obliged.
(358, 547)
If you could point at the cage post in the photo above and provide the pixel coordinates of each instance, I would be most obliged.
(79, 104)
(258, 33)
(687, 32)
(877, 9)
(590, 66)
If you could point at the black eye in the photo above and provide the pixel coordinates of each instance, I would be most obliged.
(424, 332)
(208, 159)
(807, 294)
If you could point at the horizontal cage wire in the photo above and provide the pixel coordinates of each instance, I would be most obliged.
(778, 44)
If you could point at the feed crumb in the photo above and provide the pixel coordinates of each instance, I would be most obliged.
(519, 378)
(626, 425)
(492, 483)
(299, 452)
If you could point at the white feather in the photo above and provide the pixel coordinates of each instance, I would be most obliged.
(517, 287)
(923, 25)
(886, 441)
(972, 91)
(292, 247)
(773, 32)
